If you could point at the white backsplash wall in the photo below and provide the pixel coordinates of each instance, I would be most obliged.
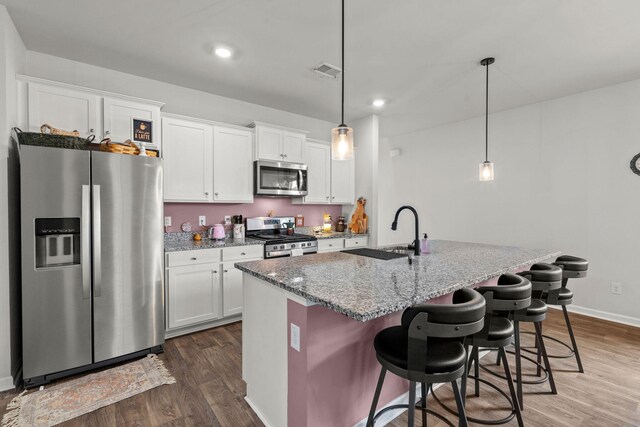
(562, 182)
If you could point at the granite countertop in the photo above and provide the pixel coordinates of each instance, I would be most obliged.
(366, 288)
(336, 235)
(189, 245)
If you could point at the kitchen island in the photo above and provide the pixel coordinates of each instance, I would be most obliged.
(309, 323)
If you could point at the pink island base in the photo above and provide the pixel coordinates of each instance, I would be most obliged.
(331, 380)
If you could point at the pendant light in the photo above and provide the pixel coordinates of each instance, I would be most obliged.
(342, 136)
(486, 167)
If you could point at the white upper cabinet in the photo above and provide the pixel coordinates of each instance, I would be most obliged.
(318, 173)
(269, 143)
(188, 156)
(293, 146)
(329, 181)
(343, 180)
(64, 108)
(232, 165)
(279, 144)
(119, 115)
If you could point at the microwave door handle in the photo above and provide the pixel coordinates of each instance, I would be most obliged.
(300, 180)
(97, 255)
(85, 244)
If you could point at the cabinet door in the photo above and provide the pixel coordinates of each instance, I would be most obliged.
(319, 173)
(293, 145)
(232, 165)
(194, 295)
(118, 124)
(269, 142)
(63, 108)
(343, 181)
(188, 156)
(231, 290)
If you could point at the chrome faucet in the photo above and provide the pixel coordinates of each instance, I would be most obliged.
(394, 227)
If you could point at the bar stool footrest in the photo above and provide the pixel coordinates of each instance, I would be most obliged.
(406, 406)
(555, 356)
(535, 362)
(478, 420)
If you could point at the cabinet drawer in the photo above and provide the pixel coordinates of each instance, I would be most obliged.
(328, 245)
(193, 257)
(242, 253)
(356, 242)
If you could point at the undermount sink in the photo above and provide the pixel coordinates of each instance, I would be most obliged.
(398, 250)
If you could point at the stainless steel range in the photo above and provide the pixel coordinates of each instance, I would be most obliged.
(280, 237)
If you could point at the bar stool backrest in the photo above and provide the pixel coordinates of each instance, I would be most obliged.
(464, 317)
(544, 278)
(511, 294)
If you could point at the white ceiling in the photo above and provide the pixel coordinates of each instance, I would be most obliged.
(421, 55)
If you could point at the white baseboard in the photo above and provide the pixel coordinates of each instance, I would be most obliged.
(605, 315)
(257, 412)
(6, 383)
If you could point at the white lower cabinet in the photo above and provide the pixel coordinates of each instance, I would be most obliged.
(334, 245)
(231, 289)
(194, 293)
(204, 289)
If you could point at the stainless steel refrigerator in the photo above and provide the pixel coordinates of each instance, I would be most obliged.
(92, 260)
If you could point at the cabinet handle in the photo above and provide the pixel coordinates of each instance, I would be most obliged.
(215, 271)
(92, 130)
(327, 197)
(107, 133)
(285, 156)
(193, 258)
(333, 198)
(330, 246)
(226, 271)
(206, 193)
(242, 253)
(215, 194)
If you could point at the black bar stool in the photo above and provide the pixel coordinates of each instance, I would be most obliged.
(572, 268)
(545, 279)
(427, 348)
(512, 293)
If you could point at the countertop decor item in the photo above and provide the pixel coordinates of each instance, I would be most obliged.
(342, 136)
(62, 402)
(47, 128)
(197, 237)
(218, 232)
(635, 164)
(126, 147)
(359, 219)
(186, 227)
(326, 222)
(486, 167)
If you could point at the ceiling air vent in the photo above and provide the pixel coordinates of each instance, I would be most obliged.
(327, 70)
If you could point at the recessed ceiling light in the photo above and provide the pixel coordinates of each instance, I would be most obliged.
(223, 52)
(378, 102)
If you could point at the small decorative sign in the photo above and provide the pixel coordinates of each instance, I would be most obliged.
(635, 164)
(142, 131)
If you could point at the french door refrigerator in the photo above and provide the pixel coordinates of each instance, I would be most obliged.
(92, 260)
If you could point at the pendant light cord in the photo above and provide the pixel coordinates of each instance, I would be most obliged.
(486, 118)
(342, 102)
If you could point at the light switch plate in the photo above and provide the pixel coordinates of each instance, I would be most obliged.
(616, 288)
(295, 337)
(202, 220)
(227, 219)
(167, 221)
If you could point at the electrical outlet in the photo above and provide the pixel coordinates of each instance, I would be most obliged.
(227, 219)
(167, 221)
(295, 337)
(202, 220)
(616, 288)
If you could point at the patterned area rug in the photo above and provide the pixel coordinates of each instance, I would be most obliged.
(71, 399)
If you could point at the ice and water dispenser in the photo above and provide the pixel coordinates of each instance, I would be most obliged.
(57, 242)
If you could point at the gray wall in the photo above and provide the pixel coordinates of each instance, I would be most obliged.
(12, 60)
(563, 182)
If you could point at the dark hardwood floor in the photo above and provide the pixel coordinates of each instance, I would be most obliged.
(209, 389)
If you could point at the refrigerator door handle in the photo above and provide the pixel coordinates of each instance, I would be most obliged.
(97, 255)
(85, 253)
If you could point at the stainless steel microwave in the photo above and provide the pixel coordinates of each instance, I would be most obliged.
(280, 178)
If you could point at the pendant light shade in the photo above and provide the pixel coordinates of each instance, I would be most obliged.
(486, 167)
(342, 136)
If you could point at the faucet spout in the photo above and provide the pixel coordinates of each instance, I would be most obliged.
(394, 226)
